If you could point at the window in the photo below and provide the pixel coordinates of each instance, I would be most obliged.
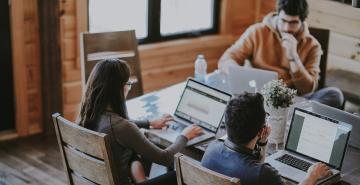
(110, 15)
(155, 20)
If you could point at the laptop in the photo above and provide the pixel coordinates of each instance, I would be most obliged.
(312, 138)
(201, 105)
(343, 116)
(245, 79)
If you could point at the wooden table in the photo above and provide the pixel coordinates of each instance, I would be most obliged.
(153, 105)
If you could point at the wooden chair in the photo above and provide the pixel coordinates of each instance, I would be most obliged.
(190, 172)
(86, 154)
(322, 35)
(120, 44)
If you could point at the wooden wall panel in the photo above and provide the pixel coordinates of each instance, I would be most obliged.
(32, 50)
(345, 46)
(20, 87)
(71, 110)
(72, 92)
(342, 63)
(70, 73)
(337, 17)
(163, 65)
(244, 13)
(266, 6)
(26, 66)
(343, 21)
(69, 39)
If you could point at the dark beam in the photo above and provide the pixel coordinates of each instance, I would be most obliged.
(49, 18)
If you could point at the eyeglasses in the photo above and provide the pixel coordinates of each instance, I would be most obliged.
(132, 80)
(291, 23)
(267, 115)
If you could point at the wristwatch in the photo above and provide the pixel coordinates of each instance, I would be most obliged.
(262, 144)
(291, 59)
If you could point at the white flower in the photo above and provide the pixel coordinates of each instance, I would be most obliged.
(276, 94)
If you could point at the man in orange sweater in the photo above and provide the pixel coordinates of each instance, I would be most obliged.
(282, 43)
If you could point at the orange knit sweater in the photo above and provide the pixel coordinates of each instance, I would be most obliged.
(261, 44)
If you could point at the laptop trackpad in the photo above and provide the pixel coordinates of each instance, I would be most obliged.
(291, 173)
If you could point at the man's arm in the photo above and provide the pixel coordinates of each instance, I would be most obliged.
(263, 153)
(305, 78)
(304, 74)
(238, 52)
(263, 140)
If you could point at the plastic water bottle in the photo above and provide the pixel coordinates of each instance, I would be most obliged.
(200, 68)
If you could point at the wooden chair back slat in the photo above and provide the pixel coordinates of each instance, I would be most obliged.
(86, 154)
(190, 172)
(118, 44)
(85, 139)
(93, 169)
(109, 41)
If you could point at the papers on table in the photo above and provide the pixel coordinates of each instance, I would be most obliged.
(155, 104)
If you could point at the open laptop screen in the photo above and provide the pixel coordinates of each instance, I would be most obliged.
(202, 105)
(318, 137)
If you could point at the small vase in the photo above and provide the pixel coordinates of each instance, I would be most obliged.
(277, 121)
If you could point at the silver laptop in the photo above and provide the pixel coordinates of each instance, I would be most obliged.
(199, 104)
(248, 79)
(312, 138)
(343, 116)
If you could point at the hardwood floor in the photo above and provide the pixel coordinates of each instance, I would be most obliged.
(35, 160)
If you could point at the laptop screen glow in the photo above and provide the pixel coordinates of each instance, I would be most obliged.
(318, 137)
(202, 105)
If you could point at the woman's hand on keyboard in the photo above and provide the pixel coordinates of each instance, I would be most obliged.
(192, 131)
(162, 122)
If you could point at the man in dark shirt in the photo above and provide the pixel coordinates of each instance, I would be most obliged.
(242, 154)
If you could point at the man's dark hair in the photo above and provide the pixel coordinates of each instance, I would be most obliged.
(244, 117)
(294, 7)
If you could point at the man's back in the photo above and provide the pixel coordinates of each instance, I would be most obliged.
(243, 165)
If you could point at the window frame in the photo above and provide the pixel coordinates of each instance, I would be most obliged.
(153, 24)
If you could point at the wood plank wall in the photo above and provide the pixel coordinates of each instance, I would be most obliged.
(70, 61)
(33, 75)
(343, 21)
(172, 62)
(26, 65)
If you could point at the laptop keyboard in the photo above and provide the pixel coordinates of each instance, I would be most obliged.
(294, 162)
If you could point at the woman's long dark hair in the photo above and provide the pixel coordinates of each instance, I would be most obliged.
(104, 89)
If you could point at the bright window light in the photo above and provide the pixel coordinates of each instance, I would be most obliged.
(181, 16)
(117, 15)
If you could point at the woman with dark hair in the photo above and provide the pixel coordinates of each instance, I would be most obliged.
(103, 109)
